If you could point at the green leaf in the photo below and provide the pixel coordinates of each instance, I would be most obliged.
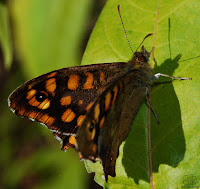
(175, 142)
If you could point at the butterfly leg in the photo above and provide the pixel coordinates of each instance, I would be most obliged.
(157, 76)
(150, 105)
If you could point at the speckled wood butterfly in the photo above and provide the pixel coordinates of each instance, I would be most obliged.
(89, 108)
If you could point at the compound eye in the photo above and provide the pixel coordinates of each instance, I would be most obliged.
(141, 59)
(40, 96)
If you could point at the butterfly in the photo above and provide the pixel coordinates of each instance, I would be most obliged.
(89, 108)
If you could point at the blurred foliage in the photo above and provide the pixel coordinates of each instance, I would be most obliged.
(46, 35)
(5, 40)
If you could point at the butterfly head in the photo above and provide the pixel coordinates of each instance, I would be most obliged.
(141, 58)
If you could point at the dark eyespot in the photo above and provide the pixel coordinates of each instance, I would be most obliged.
(91, 127)
(40, 97)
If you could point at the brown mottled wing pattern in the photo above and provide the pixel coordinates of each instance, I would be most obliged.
(108, 121)
(61, 99)
(118, 122)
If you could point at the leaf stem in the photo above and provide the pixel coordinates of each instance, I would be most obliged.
(149, 146)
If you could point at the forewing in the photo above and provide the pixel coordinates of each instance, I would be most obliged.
(61, 99)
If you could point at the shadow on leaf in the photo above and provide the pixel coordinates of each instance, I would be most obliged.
(168, 142)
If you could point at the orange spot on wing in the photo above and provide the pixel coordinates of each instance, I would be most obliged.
(94, 148)
(65, 101)
(66, 147)
(21, 111)
(51, 85)
(101, 122)
(89, 106)
(80, 102)
(13, 105)
(44, 105)
(72, 140)
(51, 74)
(107, 101)
(115, 90)
(43, 118)
(30, 94)
(29, 87)
(68, 116)
(73, 82)
(89, 81)
(80, 120)
(34, 102)
(41, 105)
(31, 114)
(80, 156)
(50, 121)
(38, 115)
(70, 143)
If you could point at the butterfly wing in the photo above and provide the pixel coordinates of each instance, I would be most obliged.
(61, 99)
(108, 122)
(67, 141)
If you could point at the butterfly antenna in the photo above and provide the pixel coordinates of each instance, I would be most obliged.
(126, 33)
(143, 40)
(124, 28)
